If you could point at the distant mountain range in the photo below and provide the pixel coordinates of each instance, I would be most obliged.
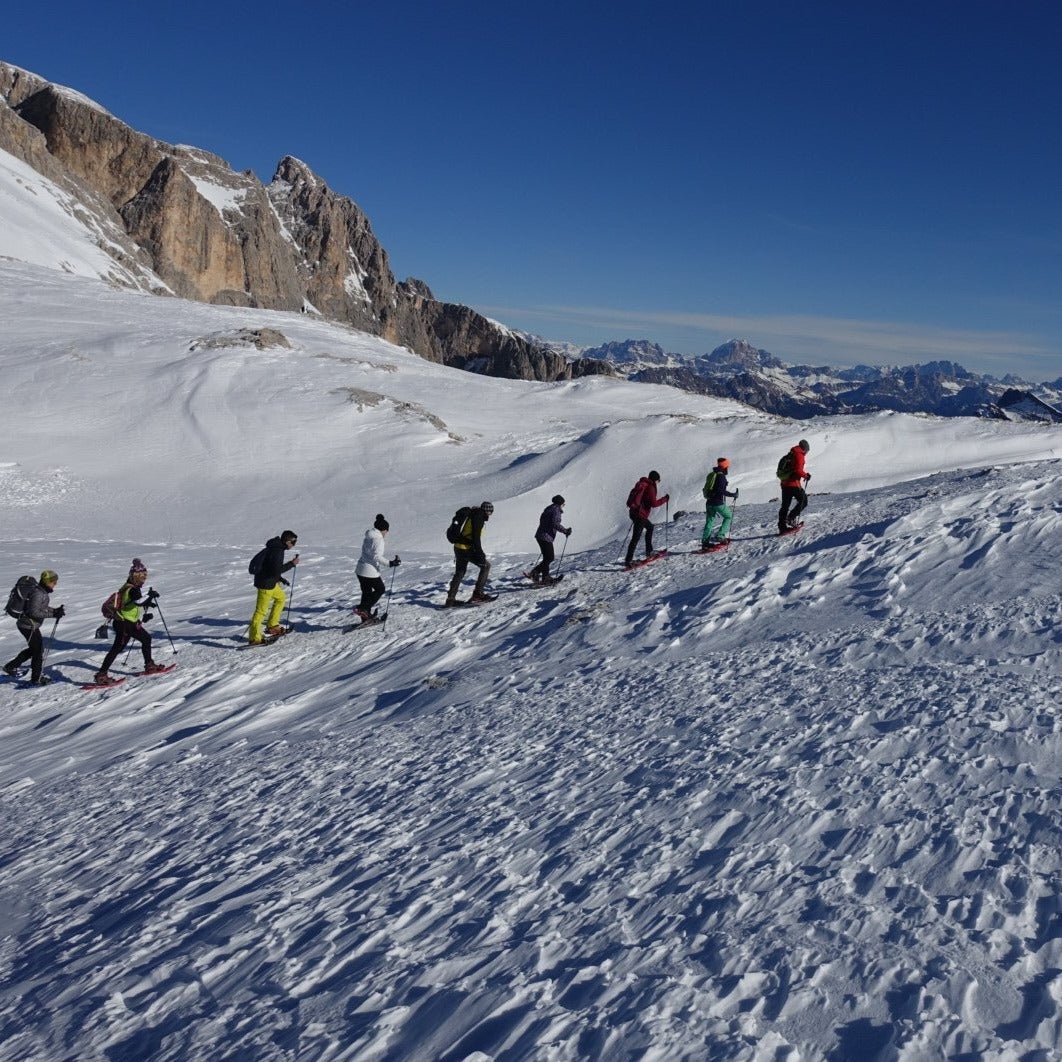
(743, 372)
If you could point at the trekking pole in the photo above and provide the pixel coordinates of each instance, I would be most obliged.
(287, 617)
(560, 563)
(667, 524)
(48, 645)
(165, 626)
(387, 604)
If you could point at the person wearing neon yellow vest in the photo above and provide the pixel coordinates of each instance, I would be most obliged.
(128, 617)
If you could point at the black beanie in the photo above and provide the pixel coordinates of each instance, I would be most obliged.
(558, 499)
(380, 523)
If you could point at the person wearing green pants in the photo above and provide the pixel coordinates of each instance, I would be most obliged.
(715, 495)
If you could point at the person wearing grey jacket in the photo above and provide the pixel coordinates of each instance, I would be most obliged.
(36, 611)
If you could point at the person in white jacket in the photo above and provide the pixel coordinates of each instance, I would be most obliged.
(369, 564)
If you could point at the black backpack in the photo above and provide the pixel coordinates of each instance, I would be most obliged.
(455, 532)
(19, 596)
(256, 562)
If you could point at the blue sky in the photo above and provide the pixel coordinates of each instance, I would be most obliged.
(836, 182)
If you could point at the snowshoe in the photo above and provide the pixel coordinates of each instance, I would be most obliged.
(647, 560)
(102, 682)
(268, 640)
(715, 546)
(157, 669)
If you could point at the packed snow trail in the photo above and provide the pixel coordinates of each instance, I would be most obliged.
(800, 799)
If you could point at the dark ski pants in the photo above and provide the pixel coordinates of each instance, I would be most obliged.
(123, 631)
(548, 553)
(371, 592)
(34, 652)
(641, 523)
(788, 495)
(461, 562)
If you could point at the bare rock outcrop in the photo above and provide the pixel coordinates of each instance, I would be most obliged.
(23, 141)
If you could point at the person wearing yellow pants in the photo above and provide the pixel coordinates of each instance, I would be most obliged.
(268, 567)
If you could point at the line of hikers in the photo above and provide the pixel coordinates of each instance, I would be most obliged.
(127, 610)
(465, 533)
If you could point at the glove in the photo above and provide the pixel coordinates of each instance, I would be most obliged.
(737, 491)
(567, 532)
(148, 617)
(152, 596)
(396, 562)
(666, 498)
(807, 476)
(60, 612)
(103, 631)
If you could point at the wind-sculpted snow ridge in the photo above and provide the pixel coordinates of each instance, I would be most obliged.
(799, 800)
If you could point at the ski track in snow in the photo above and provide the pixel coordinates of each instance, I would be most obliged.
(797, 800)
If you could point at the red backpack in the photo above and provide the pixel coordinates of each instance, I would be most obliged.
(634, 499)
(110, 606)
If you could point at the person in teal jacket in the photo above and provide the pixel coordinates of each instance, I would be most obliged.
(128, 618)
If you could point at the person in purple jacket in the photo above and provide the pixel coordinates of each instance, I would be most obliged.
(549, 523)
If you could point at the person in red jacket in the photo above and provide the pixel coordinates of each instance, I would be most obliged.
(641, 501)
(792, 489)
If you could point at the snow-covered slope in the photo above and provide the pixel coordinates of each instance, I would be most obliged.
(798, 800)
(45, 225)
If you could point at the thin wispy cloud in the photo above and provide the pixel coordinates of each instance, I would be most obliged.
(796, 335)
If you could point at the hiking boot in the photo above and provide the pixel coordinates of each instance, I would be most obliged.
(151, 669)
(42, 681)
(480, 596)
(361, 613)
(276, 631)
(101, 678)
(11, 670)
(451, 602)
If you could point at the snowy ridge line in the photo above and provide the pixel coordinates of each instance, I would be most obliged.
(84, 343)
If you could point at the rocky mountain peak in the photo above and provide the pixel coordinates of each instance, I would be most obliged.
(193, 226)
(740, 354)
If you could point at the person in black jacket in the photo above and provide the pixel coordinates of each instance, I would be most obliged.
(468, 549)
(268, 575)
(34, 613)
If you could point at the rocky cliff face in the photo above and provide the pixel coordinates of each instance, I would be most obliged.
(28, 144)
(214, 235)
